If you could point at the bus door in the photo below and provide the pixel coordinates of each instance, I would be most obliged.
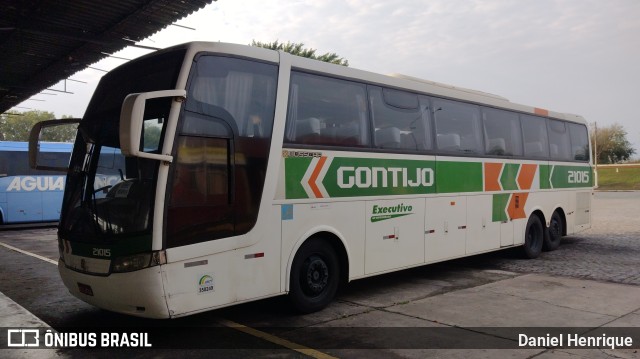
(201, 202)
(215, 185)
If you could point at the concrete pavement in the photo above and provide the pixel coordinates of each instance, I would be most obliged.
(590, 282)
(530, 300)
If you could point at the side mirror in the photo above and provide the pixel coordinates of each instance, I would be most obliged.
(38, 132)
(132, 119)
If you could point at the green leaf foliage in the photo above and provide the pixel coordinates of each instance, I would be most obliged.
(16, 126)
(298, 49)
(611, 144)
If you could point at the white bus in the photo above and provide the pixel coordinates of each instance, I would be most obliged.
(251, 173)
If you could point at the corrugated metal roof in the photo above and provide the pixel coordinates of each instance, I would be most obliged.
(45, 41)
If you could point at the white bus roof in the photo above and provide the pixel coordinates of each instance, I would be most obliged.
(395, 80)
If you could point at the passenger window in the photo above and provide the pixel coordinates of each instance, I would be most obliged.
(579, 142)
(559, 143)
(201, 176)
(200, 193)
(457, 127)
(19, 165)
(503, 135)
(400, 119)
(327, 111)
(239, 92)
(534, 131)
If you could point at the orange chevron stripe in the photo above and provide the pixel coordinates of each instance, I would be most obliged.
(492, 176)
(525, 178)
(314, 177)
(541, 111)
(515, 208)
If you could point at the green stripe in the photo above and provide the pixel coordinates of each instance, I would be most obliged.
(509, 176)
(458, 177)
(382, 217)
(571, 176)
(378, 177)
(499, 207)
(545, 170)
(294, 169)
(356, 177)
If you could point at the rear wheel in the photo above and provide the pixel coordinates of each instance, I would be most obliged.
(533, 238)
(554, 233)
(315, 275)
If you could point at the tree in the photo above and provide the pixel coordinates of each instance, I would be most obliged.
(298, 49)
(15, 126)
(611, 144)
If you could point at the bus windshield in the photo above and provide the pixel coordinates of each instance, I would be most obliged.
(107, 195)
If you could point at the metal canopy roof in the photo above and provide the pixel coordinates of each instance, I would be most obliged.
(45, 41)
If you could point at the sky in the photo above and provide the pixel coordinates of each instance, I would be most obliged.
(575, 56)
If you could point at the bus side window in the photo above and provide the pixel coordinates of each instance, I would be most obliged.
(19, 165)
(534, 130)
(201, 175)
(199, 205)
(503, 135)
(579, 142)
(400, 119)
(559, 142)
(327, 111)
(251, 107)
(458, 127)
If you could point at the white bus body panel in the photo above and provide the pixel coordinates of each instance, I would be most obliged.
(482, 234)
(344, 219)
(445, 232)
(582, 218)
(236, 276)
(396, 242)
(124, 293)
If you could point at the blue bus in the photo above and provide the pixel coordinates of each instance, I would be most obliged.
(28, 195)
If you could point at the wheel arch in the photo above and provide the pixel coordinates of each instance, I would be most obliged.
(540, 213)
(337, 242)
(532, 245)
(563, 217)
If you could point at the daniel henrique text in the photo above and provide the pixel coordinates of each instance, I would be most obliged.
(571, 340)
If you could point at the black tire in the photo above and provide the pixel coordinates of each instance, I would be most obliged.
(315, 275)
(533, 238)
(554, 233)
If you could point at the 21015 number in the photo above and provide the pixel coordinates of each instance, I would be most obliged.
(578, 176)
(102, 252)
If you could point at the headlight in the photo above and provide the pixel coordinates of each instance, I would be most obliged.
(131, 263)
(137, 262)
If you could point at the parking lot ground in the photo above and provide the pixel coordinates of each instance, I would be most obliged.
(472, 304)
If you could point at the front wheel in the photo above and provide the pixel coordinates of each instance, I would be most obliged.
(533, 237)
(315, 274)
(554, 233)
